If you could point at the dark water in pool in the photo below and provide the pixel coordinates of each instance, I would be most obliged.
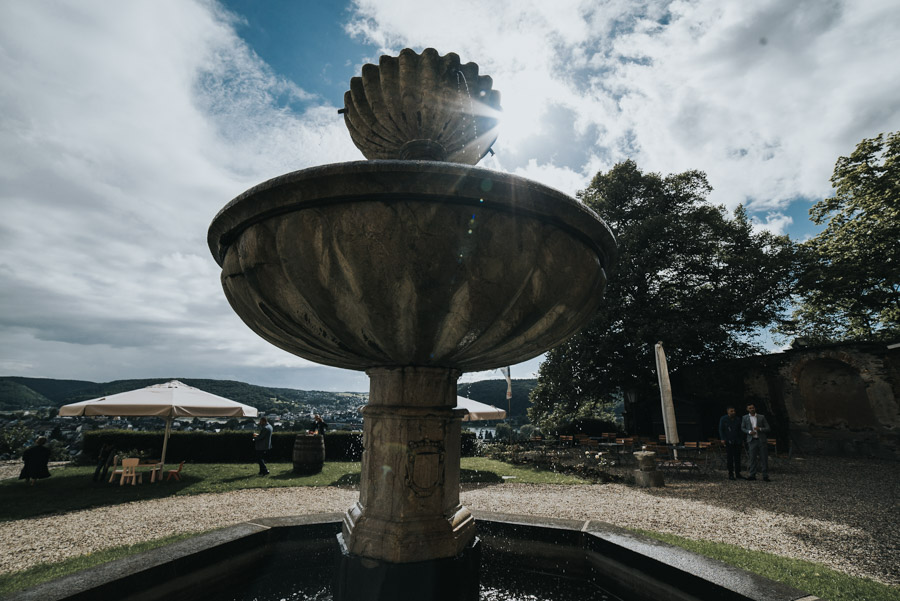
(305, 577)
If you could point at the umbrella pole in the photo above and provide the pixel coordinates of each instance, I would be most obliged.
(162, 459)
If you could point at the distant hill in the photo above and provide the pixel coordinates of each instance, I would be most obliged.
(15, 396)
(493, 392)
(55, 391)
(17, 393)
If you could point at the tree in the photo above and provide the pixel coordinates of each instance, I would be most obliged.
(13, 439)
(686, 274)
(504, 431)
(850, 287)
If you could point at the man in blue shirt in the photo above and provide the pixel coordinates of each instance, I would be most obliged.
(262, 442)
(732, 439)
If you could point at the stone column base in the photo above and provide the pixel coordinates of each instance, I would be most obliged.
(450, 579)
(412, 540)
(648, 479)
(408, 509)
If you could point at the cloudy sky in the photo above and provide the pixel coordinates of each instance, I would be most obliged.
(125, 127)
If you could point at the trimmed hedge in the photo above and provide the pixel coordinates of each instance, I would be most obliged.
(230, 446)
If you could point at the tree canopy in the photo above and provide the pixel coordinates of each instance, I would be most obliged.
(850, 287)
(687, 274)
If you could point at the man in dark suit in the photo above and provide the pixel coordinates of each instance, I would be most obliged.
(756, 428)
(732, 439)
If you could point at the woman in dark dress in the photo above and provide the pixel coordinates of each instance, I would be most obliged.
(36, 459)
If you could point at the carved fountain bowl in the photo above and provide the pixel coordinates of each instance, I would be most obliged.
(411, 263)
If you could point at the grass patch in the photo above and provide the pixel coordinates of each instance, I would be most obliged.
(72, 488)
(17, 581)
(482, 469)
(810, 577)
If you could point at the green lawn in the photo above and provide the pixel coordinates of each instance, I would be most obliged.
(17, 581)
(71, 488)
(807, 576)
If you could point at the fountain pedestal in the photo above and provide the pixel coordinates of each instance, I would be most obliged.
(408, 508)
(408, 536)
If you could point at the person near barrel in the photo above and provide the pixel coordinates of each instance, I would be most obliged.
(36, 458)
(262, 443)
(319, 426)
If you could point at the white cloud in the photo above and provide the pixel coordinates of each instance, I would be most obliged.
(125, 128)
(775, 223)
(763, 96)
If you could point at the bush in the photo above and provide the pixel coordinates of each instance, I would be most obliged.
(227, 446)
(504, 432)
(13, 439)
(527, 431)
(468, 444)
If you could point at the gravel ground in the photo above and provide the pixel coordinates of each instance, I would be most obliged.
(842, 513)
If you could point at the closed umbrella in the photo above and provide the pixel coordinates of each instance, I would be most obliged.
(170, 400)
(665, 394)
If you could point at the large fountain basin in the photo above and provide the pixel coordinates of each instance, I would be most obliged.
(414, 263)
(578, 555)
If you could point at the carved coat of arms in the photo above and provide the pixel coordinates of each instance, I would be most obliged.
(424, 466)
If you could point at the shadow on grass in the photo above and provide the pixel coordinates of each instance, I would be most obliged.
(64, 493)
(479, 476)
(241, 478)
(351, 479)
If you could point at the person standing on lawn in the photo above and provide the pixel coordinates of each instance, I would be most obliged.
(262, 442)
(732, 439)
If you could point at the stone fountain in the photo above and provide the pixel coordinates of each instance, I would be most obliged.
(414, 266)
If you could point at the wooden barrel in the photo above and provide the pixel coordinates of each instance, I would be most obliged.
(309, 454)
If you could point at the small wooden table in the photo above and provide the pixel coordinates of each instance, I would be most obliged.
(155, 469)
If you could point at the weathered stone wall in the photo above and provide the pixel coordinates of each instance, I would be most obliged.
(832, 400)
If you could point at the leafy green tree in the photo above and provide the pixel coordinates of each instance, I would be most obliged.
(687, 274)
(13, 438)
(850, 288)
(504, 432)
(526, 431)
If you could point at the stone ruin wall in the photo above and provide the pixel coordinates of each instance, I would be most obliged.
(830, 400)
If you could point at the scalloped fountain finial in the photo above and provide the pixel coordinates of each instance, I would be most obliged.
(422, 107)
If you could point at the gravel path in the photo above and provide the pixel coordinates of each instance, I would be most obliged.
(843, 513)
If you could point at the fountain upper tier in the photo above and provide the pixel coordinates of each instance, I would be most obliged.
(422, 107)
(411, 263)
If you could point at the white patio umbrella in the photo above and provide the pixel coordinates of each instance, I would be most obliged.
(478, 411)
(170, 400)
